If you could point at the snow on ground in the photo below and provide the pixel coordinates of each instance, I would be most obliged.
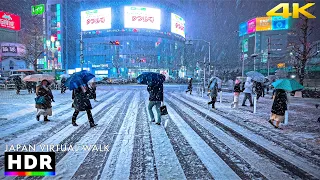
(225, 143)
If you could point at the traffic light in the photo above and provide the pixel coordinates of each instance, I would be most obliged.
(117, 43)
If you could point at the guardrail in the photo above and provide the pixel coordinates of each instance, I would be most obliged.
(11, 86)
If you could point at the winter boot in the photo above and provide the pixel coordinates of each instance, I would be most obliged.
(93, 124)
(74, 122)
(46, 118)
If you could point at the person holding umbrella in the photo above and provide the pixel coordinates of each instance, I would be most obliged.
(63, 87)
(189, 87)
(155, 89)
(279, 107)
(44, 107)
(280, 103)
(18, 83)
(78, 84)
(237, 91)
(247, 91)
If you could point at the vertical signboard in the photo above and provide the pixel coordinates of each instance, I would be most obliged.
(245, 45)
(10, 21)
(251, 26)
(177, 24)
(263, 23)
(243, 29)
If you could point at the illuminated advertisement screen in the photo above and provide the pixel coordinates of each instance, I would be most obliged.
(252, 26)
(142, 17)
(96, 19)
(177, 25)
(245, 45)
(243, 29)
(280, 23)
(263, 23)
(10, 21)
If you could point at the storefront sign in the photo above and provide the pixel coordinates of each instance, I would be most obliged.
(96, 19)
(177, 25)
(142, 17)
(263, 23)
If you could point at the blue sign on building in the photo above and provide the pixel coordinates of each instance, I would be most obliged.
(243, 29)
(280, 23)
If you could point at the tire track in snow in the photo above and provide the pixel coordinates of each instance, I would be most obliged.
(142, 162)
(117, 164)
(191, 164)
(286, 166)
(84, 159)
(301, 149)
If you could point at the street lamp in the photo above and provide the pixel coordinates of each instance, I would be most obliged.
(241, 49)
(189, 42)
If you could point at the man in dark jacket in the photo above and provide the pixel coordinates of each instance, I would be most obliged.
(189, 87)
(155, 99)
(81, 102)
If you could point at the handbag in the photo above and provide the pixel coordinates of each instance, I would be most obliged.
(163, 110)
(40, 100)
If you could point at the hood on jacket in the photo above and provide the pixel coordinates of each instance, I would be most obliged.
(249, 79)
(237, 81)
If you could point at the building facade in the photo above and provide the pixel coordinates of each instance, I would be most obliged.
(150, 36)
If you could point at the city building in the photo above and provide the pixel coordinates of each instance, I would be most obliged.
(119, 38)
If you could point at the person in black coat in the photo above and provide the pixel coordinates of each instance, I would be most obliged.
(279, 107)
(155, 99)
(81, 102)
(63, 87)
(18, 83)
(258, 89)
(189, 86)
(44, 109)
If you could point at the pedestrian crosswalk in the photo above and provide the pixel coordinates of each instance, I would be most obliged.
(197, 143)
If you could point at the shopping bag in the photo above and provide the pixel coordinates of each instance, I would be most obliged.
(163, 110)
(40, 100)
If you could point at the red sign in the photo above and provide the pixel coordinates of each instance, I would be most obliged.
(10, 21)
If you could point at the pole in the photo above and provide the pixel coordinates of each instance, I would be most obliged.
(81, 51)
(269, 44)
(204, 74)
(209, 58)
(254, 58)
(242, 74)
(255, 104)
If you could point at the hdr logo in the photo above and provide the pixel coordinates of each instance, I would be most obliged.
(29, 164)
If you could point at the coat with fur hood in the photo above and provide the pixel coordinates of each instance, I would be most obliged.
(248, 85)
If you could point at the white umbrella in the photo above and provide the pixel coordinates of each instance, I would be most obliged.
(256, 76)
(38, 77)
(64, 75)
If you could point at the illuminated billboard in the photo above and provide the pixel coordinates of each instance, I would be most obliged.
(243, 29)
(96, 19)
(10, 21)
(252, 26)
(142, 17)
(263, 23)
(280, 23)
(177, 25)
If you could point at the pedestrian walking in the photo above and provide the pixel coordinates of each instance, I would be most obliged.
(18, 84)
(81, 102)
(62, 86)
(236, 94)
(213, 93)
(44, 108)
(155, 99)
(29, 86)
(248, 91)
(258, 89)
(279, 107)
(189, 87)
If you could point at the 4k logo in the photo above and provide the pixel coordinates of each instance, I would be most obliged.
(296, 10)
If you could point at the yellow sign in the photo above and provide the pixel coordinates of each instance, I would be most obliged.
(263, 23)
(281, 65)
(296, 10)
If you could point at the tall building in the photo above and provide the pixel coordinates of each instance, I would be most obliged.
(120, 38)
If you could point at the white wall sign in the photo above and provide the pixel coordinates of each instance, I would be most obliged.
(142, 17)
(177, 25)
(96, 19)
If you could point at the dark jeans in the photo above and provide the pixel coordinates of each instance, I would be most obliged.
(89, 114)
(247, 96)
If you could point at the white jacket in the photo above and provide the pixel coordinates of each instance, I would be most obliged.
(248, 86)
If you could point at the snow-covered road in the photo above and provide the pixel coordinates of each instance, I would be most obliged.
(196, 143)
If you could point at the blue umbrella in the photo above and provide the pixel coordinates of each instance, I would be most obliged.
(150, 78)
(256, 76)
(78, 79)
(287, 85)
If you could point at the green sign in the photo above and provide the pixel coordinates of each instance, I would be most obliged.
(245, 45)
(37, 9)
